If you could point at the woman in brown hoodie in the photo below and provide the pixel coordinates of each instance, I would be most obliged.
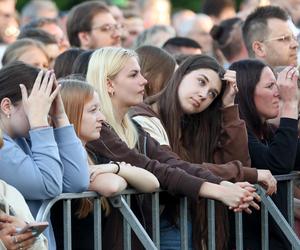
(197, 105)
(115, 74)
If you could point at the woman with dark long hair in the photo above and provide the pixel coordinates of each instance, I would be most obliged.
(195, 117)
(269, 147)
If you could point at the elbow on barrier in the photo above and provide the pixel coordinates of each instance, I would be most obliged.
(131, 223)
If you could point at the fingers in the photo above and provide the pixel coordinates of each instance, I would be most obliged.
(26, 244)
(6, 218)
(45, 81)
(55, 92)
(292, 72)
(50, 84)
(256, 197)
(23, 92)
(23, 241)
(254, 205)
(25, 236)
(37, 83)
(230, 77)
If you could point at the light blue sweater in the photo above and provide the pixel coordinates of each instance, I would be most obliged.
(50, 162)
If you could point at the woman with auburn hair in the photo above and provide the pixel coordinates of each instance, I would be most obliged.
(197, 105)
(82, 106)
(274, 148)
(115, 74)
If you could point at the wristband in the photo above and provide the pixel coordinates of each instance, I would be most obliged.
(118, 165)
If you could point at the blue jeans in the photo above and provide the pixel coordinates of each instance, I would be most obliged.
(170, 235)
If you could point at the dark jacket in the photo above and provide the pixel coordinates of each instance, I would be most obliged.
(280, 153)
(232, 145)
(176, 176)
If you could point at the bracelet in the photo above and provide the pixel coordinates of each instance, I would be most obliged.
(118, 165)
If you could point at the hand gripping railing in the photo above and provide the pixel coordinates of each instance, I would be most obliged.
(122, 202)
(268, 206)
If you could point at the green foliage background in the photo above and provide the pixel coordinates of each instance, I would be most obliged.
(67, 4)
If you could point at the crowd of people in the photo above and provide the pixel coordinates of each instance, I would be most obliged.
(104, 97)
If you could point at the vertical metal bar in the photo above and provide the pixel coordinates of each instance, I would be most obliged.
(155, 219)
(239, 231)
(211, 225)
(183, 224)
(120, 203)
(290, 204)
(281, 221)
(97, 224)
(264, 227)
(67, 225)
(126, 228)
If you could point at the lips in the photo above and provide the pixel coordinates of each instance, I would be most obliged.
(195, 102)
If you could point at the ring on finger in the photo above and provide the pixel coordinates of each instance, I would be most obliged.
(15, 240)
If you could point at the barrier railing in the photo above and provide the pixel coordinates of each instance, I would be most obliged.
(122, 203)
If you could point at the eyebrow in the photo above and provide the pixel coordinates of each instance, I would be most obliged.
(205, 77)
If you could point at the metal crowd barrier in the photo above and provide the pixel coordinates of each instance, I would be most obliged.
(131, 223)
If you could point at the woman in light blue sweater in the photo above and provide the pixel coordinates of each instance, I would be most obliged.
(39, 160)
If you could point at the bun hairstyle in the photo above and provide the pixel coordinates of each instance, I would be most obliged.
(221, 33)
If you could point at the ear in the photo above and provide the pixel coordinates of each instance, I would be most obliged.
(259, 49)
(84, 38)
(6, 106)
(110, 87)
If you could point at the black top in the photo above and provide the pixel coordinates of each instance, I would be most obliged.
(280, 154)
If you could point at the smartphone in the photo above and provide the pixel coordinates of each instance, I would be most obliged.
(35, 227)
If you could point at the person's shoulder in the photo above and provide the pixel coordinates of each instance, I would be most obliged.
(142, 109)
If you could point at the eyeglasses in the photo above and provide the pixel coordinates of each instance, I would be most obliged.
(109, 28)
(284, 39)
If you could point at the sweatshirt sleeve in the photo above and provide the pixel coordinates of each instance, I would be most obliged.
(74, 160)
(171, 178)
(38, 174)
(280, 153)
(2, 247)
(233, 141)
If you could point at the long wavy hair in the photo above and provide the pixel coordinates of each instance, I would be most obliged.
(105, 64)
(194, 137)
(187, 130)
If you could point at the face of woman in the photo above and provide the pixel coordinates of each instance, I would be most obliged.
(92, 119)
(266, 95)
(35, 57)
(198, 89)
(18, 124)
(129, 85)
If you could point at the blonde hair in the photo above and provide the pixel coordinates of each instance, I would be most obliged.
(106, 63)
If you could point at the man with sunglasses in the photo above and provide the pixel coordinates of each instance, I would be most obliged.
(269, 37)
(91, 25)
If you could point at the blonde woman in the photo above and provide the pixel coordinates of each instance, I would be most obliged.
(115, 74)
